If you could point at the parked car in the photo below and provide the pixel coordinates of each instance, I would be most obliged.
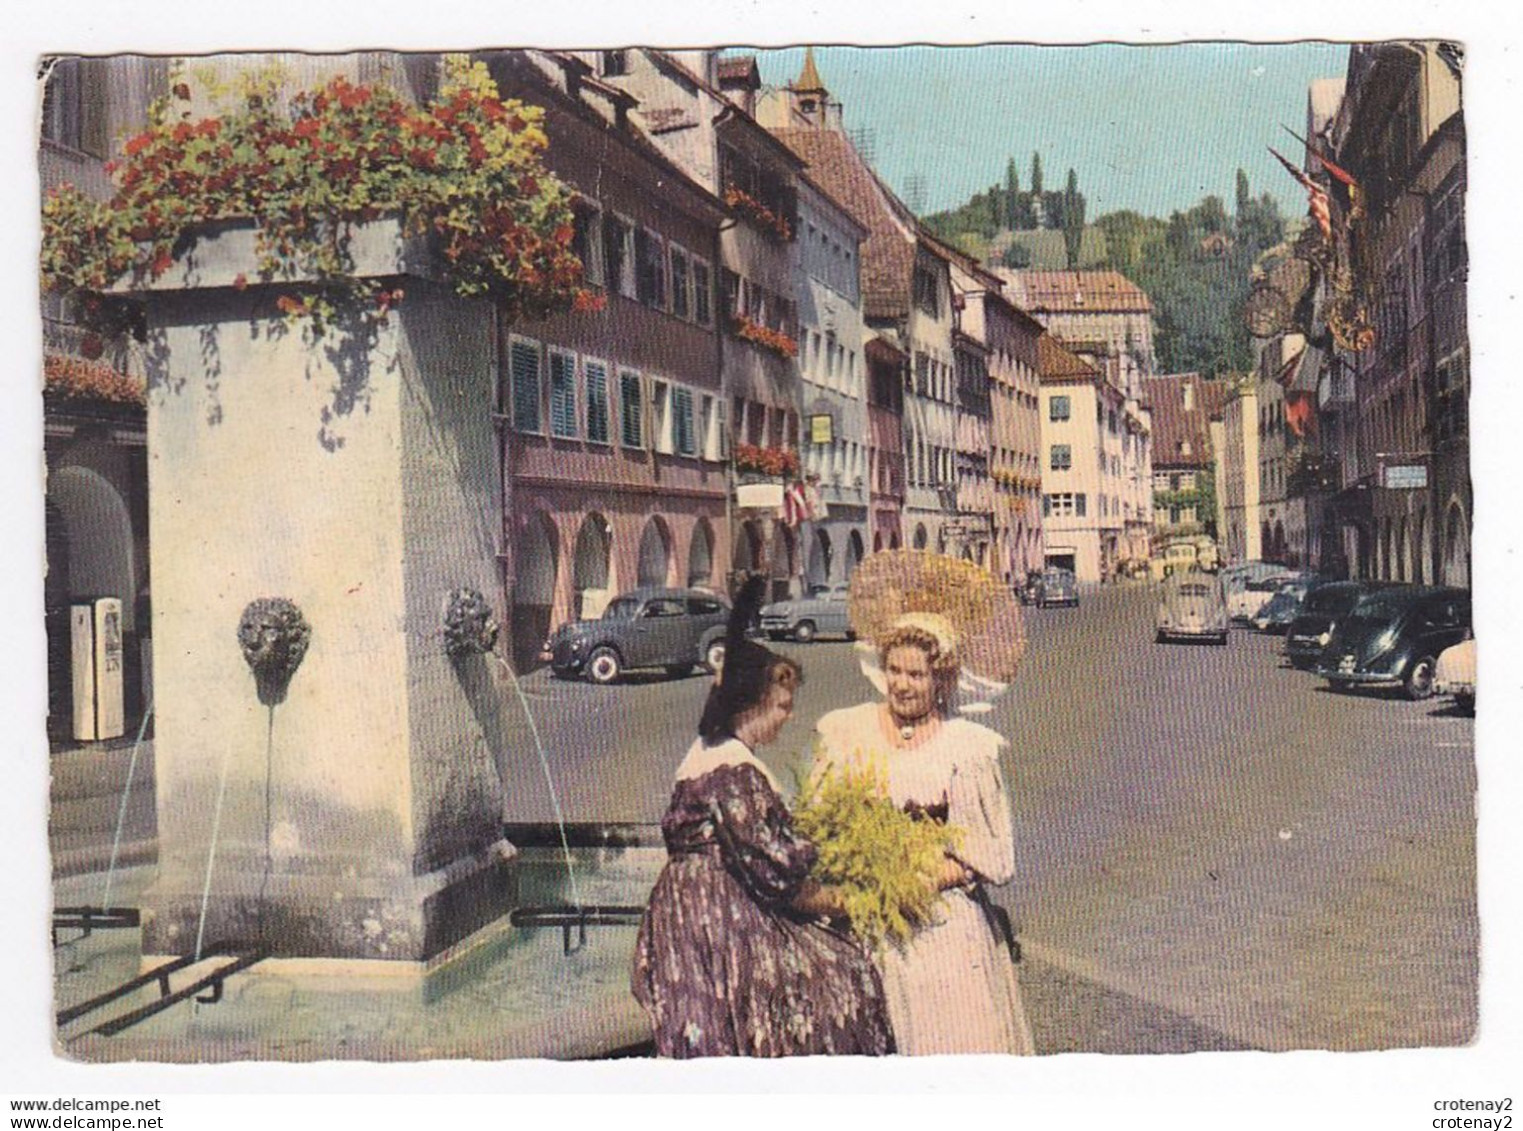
(1246, 601)
(1059, 587)
(674, 629)
(1395, 636)
(1192, 607)
(1455, 675)
(1284, 604)
(1029, 591)
(823, 611)
(1321, 610)
(1198, 552)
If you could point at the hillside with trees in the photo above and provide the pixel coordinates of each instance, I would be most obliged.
(1196, 265)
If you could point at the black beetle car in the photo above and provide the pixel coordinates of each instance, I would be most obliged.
(1321, 609)
(673, 629)
(1394, 636)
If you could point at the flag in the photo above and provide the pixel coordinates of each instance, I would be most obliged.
(1336, 171)
(795, 504)
(1316, 196)
(1300, 412)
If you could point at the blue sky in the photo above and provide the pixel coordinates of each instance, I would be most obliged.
(1150, 128)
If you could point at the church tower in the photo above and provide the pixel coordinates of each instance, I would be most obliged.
(808, 100)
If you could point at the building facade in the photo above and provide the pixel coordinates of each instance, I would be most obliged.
(887, 367)
(1405, 505)
(613, 420)
(1184, 480)
(835, 448)
(1104, 313)
(1080, 442)
(906, 298)
(1239, 480)
(709, 133)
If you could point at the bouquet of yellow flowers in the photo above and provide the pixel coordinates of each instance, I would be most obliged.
(882, 863)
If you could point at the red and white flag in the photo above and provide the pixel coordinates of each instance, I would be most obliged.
(796, 504)
(1316, 196)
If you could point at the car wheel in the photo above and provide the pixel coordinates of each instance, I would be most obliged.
(850, 635)
(803, 632)
(1159, 637)
(1418, 682)
(1465, 704)
(713, 656)
(1221, 639)
(1338, 685)
(604, 665)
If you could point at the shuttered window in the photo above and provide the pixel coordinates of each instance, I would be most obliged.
(632, 410)
(525, 368)
(563, 394)
(684, 435)
(597, 401)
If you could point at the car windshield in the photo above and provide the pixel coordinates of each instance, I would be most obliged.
(621, 608)
(1382, 606)
(1331, 601)
(1194, 589)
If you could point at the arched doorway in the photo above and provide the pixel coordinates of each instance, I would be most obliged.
(655, 553)
(922, 537)
(535, 564)
(893, 541)
(592, 567)
(854, 552)
(700, 556)
(1266, 543)
(1281, 546)
(1456, 547)
(878, 542)
(820, 560)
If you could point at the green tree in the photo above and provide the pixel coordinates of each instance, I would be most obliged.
(1243, 199)
(1036, 175)
(1073, 220)
(1012, 193)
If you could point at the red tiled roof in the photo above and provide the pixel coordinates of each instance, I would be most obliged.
(1057, 364)
(1173, 425)
(736, 67)
(1077, 291)
(888, 255)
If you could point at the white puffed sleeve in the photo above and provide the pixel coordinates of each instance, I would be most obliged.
(979, 804)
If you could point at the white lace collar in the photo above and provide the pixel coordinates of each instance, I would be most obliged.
(702, 758)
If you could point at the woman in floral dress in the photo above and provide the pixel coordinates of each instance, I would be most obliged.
(951, 986)
(724, 963)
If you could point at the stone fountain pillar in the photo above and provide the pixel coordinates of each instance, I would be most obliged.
(357, 476)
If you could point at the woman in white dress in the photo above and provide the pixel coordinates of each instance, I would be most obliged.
(951, 986)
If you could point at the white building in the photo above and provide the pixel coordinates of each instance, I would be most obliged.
(1082, 522)
(834, 372)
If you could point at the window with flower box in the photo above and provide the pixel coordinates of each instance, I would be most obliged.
(524, 366)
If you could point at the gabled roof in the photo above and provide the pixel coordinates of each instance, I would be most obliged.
(888, 254)
(1173, 424)
(1076, 292)
(1057, 364)
(737, 68)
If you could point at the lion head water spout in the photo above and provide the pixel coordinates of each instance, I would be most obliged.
(273, 636)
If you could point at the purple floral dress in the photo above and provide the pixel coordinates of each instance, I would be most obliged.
(722, 965)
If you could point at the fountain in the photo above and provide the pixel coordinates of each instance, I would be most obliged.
(351, 810)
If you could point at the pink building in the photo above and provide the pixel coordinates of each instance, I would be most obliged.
(613, 421)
